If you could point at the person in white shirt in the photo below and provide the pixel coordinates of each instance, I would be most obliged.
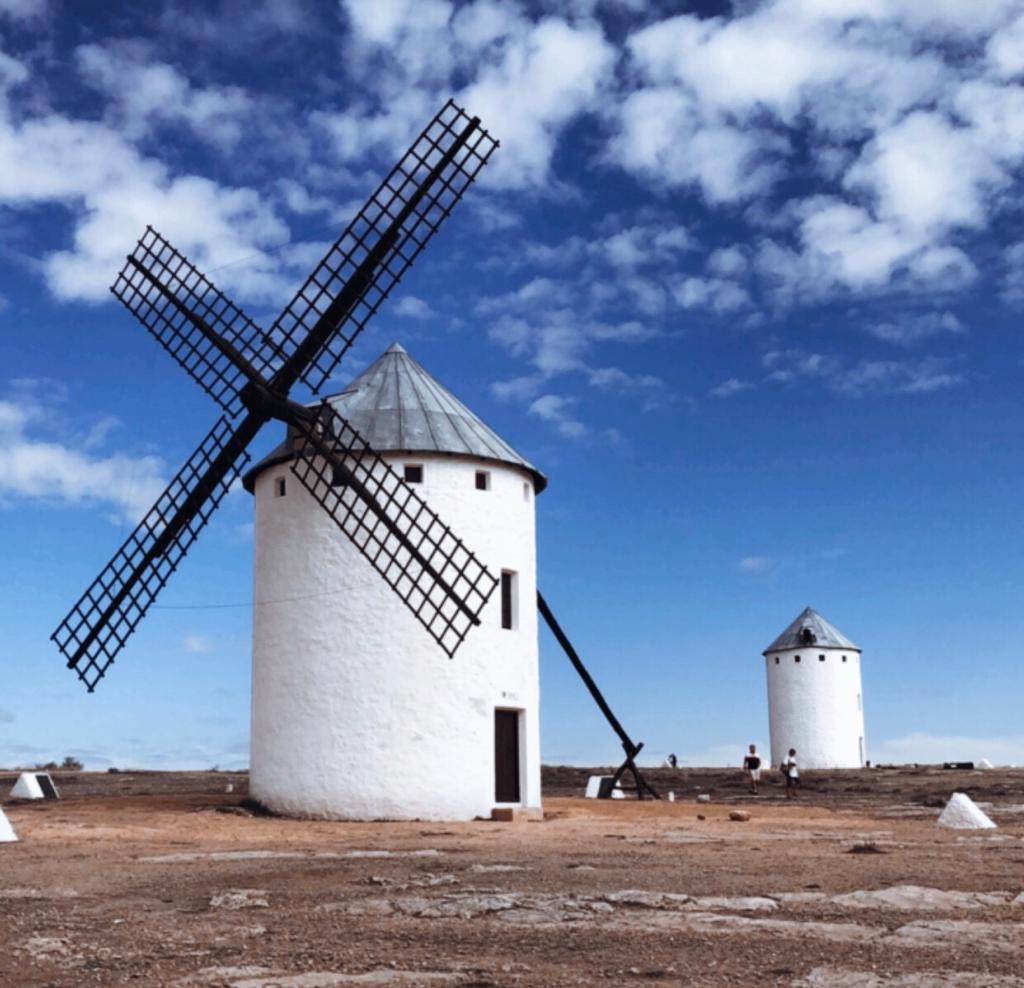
(792, 774)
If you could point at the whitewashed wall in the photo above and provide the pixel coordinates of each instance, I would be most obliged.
(816, 707)
(357, 713)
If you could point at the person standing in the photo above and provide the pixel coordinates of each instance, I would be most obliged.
(752, 766)
(792, 774)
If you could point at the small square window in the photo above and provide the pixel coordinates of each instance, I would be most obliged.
(796, 657)
(413, 473)
(279, 487)
(483, 480)
(821, 658)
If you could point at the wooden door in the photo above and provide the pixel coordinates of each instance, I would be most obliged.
(506, 756)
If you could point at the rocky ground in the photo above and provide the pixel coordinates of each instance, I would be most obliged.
(167, 879)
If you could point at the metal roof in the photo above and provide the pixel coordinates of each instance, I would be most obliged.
(397, 406)
(821, 633)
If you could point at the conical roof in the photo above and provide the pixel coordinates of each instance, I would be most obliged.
(809, 629)
(397, 406)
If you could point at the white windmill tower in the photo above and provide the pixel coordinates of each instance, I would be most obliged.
(356, 712)
(815, 699)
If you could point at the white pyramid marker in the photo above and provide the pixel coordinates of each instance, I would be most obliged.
(962, 813)
(7, 834)
(34, 785)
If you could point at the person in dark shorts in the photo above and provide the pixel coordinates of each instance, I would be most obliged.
(792, 774)
(752, 766)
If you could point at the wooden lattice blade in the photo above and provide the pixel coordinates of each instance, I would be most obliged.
(362, 267)
(106, 615)
(431, 570)
(193, 320)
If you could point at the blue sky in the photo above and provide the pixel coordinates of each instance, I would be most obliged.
(744, 280)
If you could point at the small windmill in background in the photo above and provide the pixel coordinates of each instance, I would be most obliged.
(250, 373)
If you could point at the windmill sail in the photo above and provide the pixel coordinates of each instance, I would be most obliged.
(98, 626)
(192, 320)
(243, 368)
(365, 263)
(434, 574)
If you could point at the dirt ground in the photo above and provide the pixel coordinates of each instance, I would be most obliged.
(167, 879)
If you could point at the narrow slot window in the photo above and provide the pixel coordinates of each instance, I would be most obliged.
(413, 473)
(776, 660)
(280, 487)
(483, 480)
(526, 492)
(796, 658)
(508, 599)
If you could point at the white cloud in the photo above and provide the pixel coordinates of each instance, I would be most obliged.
(197, 644)
(651, 389)
(411, 307)
(641, 244)
(728, 104)
(755, 564)
(23, 9)
(558, 411)
(927, 175)
(717, 294)
(142, 93)
(862, 377)
(545, 80)
(518, 388)
(1005, 50)
(528, 80)
(1013, 273)
(730, 387)
(914, 328)
(34, 466)
(12, 72)
(111, 191)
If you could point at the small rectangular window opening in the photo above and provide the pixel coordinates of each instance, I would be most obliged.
(526, 492)
(776, 660)
(844, 658)
(821, 658)
(279, 487)
(797, 657)
(483, 480)
(508, 599)
(413, 473)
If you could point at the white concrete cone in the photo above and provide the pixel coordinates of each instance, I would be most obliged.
(962, 813)
(7, 834)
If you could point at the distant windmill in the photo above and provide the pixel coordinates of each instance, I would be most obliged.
(249, 372)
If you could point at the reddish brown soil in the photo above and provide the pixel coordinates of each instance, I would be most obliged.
(163, 879)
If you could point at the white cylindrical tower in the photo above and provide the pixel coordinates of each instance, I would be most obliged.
(815, 699)
(357, 713)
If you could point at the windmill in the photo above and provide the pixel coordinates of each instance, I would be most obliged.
(250, 373)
